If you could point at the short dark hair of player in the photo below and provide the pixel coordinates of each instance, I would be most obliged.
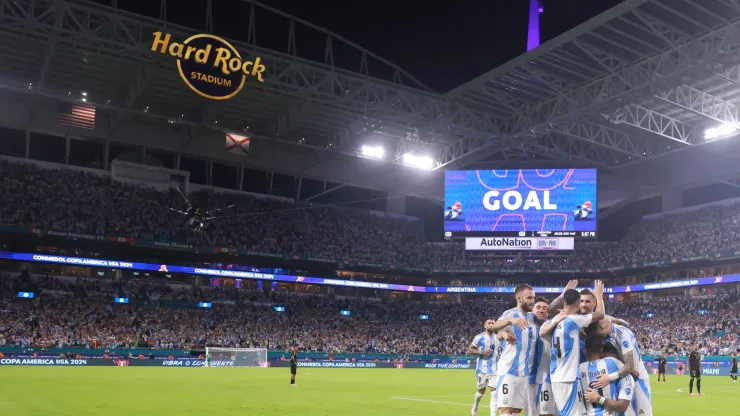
(571, 297)
(588, 292)
(589, 330)
(610, 350)
(539, 299)
(594, 345)
(521, 288)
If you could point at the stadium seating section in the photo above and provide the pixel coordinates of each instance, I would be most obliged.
(74, 312)
(76, 201)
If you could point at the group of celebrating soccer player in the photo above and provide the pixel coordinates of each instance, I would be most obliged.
(565, 358)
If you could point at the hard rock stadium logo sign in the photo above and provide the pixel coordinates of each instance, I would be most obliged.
(209, 65)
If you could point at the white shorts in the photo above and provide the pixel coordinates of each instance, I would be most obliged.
(532, 399)
(641, 399)
(569, 398)
(484, 380)
(545, 401)
(512, 391)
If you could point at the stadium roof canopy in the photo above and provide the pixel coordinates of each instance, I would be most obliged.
(641, 82)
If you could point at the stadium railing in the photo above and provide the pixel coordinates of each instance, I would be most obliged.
(277, 355)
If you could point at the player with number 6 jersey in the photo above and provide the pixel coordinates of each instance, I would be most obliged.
(516, 329)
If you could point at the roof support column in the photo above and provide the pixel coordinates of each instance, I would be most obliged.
(671, 199)
(396, 204)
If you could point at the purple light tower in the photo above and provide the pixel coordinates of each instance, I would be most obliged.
(533, 36)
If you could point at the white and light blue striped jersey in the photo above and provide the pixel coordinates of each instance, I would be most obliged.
(536, 357)
(566, 348)
(516, 359)
(486, 342)
(540, 372)
(624, 340)
(621, 389)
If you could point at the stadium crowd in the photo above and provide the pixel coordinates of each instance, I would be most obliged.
(69, 314)
(80, 313)
(711, 320)
(84, 202)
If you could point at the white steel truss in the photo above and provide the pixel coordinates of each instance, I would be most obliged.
(636, 82)
(672, 53)
(123, 36)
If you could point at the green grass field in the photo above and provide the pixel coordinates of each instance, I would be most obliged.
(113, 391)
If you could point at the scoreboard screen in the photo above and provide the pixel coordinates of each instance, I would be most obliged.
(523, 203)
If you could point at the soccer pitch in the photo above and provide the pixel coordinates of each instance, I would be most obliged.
(122, 391)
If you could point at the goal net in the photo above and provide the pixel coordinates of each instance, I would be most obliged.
(236, 357)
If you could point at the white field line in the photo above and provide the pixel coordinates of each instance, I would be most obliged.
(686, 389)
(430, 401)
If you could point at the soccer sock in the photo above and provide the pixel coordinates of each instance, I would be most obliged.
(698, 385)
(292, 381)
(691, 386)
(493, 403)
(478, 396)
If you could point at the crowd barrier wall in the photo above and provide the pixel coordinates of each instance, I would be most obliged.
(708, 369)
(277, 355)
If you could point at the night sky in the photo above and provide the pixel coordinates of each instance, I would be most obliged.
(442, 44)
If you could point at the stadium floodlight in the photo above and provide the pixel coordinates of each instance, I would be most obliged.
(420, 162)
(373, 152)
(719, 131)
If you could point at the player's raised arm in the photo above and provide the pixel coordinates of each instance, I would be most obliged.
(557, 304)
(598, 292)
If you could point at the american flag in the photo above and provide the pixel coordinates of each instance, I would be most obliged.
(73, 115)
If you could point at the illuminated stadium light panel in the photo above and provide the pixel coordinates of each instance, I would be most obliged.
(116, 264)
(419, 162)
(373, 152)
(719, 132)
(521, 203)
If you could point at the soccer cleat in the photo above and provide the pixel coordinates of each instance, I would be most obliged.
(473, 412)
(692, 394)
(701, 394)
